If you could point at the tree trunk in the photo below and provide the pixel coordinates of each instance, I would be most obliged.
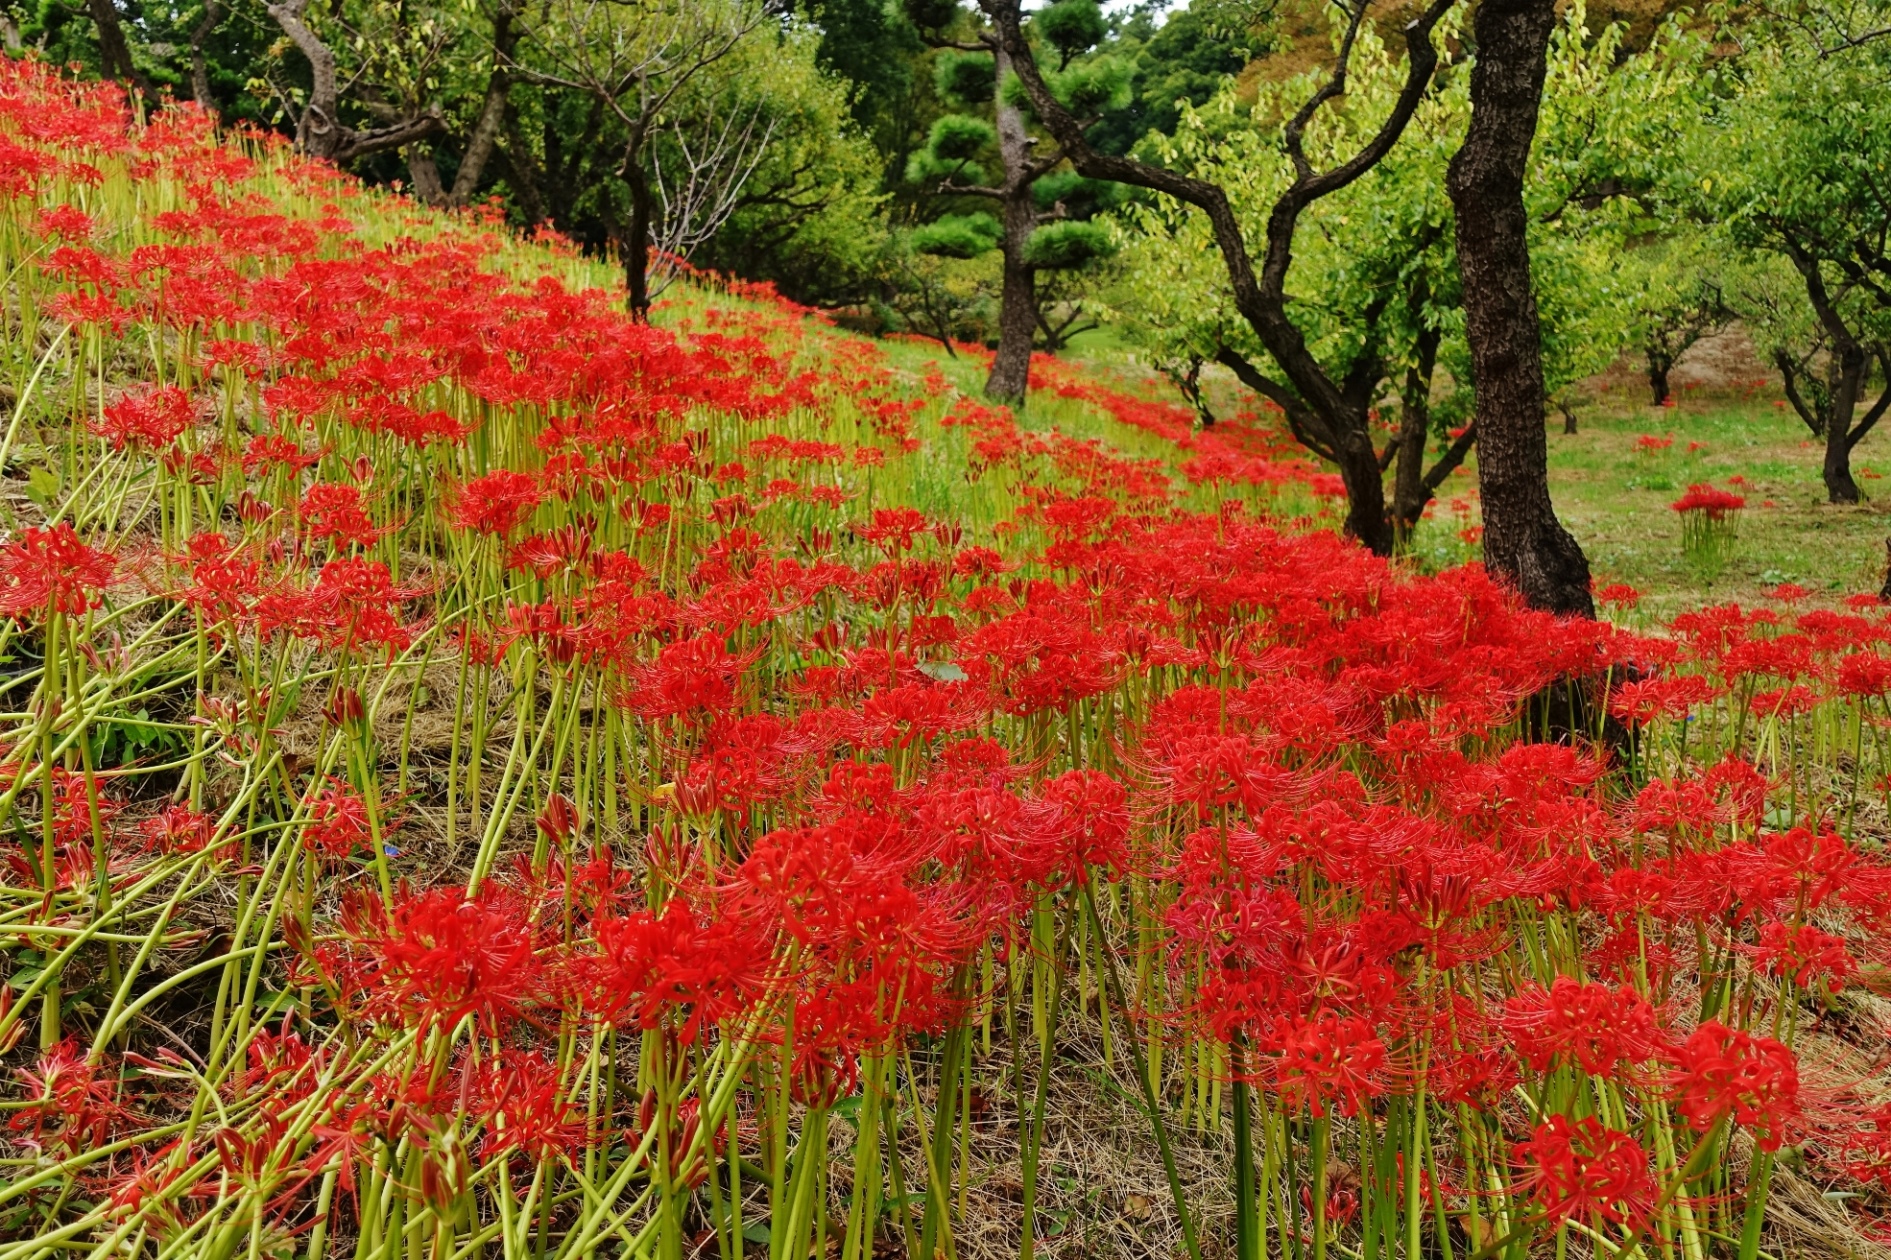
(425, 174)
(113, 49)
(1660, 363)
(1839, 485)
(524, 175)
(1409, 492)
(199, 68)
(1017, 312)
(1343, 436)
(1524, 544)
(636, 243)
(319, 132)
(1366, 518)
(492, 114)
(1189, 383)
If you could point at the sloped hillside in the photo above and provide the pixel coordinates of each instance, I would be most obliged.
(485, 777)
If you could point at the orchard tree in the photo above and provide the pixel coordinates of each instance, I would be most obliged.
(1605, 260)
(676, 116)
(1374, 281)
(1683, 298)
(1826, 390)
(1372, 288)
(1330, 410)
(1793, 167)
(811, 216)
(1524, 543)
(988, 152)
(381, 61)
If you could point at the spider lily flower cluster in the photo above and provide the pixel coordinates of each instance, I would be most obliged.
(489, 778)
(1710, 522)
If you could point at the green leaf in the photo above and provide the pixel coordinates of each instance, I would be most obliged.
(41, 485)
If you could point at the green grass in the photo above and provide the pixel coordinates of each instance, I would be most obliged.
(1615, 500)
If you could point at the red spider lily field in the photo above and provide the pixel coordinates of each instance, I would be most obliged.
(481, 777)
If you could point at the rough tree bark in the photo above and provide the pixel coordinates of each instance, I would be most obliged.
(1017, 310)
(320, 131)
(113, 49)
(492, 112)
(199, 67)
(636, 238)
(1412, 486)
(1660, 363)
(425, 173)
(1524, 544)
(1849, 363)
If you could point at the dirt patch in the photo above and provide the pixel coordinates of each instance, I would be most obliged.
(1725, 364)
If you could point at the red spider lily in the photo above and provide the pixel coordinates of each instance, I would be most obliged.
(1712, 503)
(1788, 873)
(80, 809)
(1864, 674)
(354, 604)
(438, 957)
(671, 969)
(178, 829)
(893, 530)
(559, 819)
(1083, 824)
(68, 1100)
(283, 1063)
(1645, 699)
(674, 1139)
(68, 221)
(522, 1103)
(1329, 1059)
(1724, 1073)
(1803, 954)
(266, 452)
(744, 763)
(567, 549)
(338, 822)
(497, 503)
(335, 512)
(1597, 1028)
(1618, 595)
(1866, 1152)
(1585, 1171)
(51, 571)
(694, 678)
(224, 581)
(152, 418)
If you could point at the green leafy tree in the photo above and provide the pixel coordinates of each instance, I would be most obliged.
(1793, 168)
(811, 216)
(1182, 61)
(1327, 392)
(1363, 269)
(1371, 287)
(1681, 298)
(657, 116)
